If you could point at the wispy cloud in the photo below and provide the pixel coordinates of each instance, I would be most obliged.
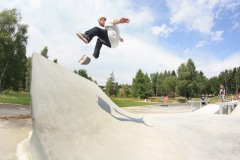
(236, 26)
(217, 36)
(201, 44)
(194, 15)
(162, 31)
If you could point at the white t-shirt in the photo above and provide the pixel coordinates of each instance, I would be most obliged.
(113, 34)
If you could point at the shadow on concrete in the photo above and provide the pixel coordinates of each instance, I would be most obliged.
(106, 107)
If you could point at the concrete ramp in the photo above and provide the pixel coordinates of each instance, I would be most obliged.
(236, 111)
(74, 120)
(208, 109)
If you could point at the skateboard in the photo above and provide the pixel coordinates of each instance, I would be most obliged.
(84, 60)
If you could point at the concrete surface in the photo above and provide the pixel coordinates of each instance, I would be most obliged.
(9, 110)
(12, 132)
(236, 111)
(209, 109)
(74, 119)
(15, 123)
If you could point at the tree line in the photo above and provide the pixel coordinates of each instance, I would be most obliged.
(186, 81)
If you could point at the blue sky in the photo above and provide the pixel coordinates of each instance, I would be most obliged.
(160, 36)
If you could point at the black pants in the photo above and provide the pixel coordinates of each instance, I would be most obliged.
(102, 38)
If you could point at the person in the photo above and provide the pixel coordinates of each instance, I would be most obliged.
(238, 95)
(166, 99)
(222, 93)
(110, 36)
(203, 100)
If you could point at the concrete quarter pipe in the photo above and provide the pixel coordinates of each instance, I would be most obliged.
(74, 120)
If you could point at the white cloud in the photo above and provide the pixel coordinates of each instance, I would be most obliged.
(236, 26)
(162, 31)
(230, 4)
(212, 66)
(217, 36)
(201, 44)
(194, 15)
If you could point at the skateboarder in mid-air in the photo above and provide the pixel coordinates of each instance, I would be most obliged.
(110, 36)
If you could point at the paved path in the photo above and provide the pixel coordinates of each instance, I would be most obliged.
(15, 124)
(9, 111)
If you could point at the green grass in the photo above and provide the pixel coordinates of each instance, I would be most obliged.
(23, 98)
(128, 102)
(11, 97)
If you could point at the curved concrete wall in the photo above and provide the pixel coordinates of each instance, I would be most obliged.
(74, 119)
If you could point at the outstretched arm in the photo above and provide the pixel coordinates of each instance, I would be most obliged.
(122, 20)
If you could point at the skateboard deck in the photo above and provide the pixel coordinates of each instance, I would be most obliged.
(84, 60)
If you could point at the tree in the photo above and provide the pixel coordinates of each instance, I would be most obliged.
(170, 85)
(141, 85)
(201, 83)
(13, 41)
(187, 84)
(124, 90)
(28, 73)
(154, 80)
(44, 52)
(83, 73)
(111, 86)
(213, 84)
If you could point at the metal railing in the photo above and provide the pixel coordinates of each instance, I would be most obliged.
(229, 105)
(197, 101)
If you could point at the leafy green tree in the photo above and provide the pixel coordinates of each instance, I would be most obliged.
(55, 61)
(83, 73)
(237, 79)
(112, 86)
(230, 78)
(154, 80)
(44, 52)
(141, 85)
(170, 85)
(160, 88)
(13, 41)
(28, 73)
(124, 90)
(186, 75)
(213, 85)
(201, 83)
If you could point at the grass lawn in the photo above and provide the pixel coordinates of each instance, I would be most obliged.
(128, 102)
(12, 97)
(23, 98)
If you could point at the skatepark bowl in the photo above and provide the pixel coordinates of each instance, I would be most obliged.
(73, 119)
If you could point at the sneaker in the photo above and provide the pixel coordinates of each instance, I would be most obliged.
(95, 55)
(83, 37)
(84, 60)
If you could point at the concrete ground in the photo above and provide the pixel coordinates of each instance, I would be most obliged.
(15, 124)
